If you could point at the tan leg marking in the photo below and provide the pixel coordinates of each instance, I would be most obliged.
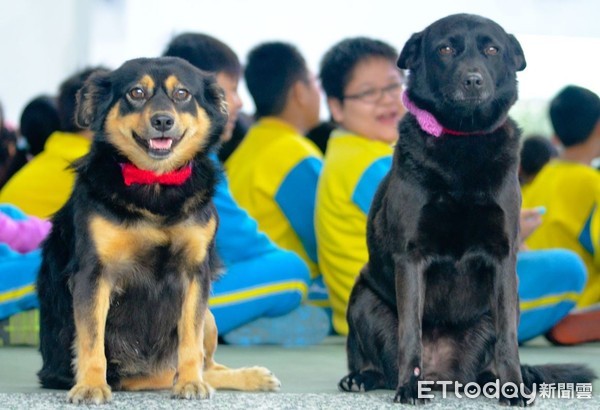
(245, 378)
(90, 359)
(193, 239)
(223, 378)
(211, 339)
(190, 330)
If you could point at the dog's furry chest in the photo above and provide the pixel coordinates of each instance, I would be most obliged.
(453, 227)
(458, 193)
(130, 248)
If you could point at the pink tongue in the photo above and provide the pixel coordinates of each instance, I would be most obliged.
(161, 143)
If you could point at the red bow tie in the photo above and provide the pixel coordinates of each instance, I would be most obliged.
(134, 175)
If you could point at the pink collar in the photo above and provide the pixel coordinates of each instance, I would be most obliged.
(428, 122)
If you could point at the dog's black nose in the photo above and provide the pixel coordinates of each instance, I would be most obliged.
(162, 122)
(473, 81)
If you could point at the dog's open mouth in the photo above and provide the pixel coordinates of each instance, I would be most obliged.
(160, 144)
(158, 147)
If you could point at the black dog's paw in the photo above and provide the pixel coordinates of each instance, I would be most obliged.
(516, 399)
(409, 393)
(361, 382)
(351, 383)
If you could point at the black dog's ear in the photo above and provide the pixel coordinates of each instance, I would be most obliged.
(410, 52)
(517, 53)
(216, 104)
(93, 99)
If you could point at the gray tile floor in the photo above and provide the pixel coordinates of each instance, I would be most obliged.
(309, 379)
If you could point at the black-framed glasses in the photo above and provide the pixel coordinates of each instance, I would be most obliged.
(373, 95)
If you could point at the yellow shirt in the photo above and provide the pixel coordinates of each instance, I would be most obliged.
(273, 174)
(45, 183)
(352, 170)
(571, 194)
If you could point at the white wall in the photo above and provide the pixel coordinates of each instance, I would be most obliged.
(44, 41)
(41, 42)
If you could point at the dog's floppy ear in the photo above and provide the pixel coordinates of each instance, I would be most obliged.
(93, 99)
(216, 105)
(517, 53)
(410, 52)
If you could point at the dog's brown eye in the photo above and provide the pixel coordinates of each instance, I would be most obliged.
(181, 95)
(137, 94)
(446, 50)
(491, 51)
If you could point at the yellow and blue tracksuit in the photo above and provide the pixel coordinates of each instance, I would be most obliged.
(45, 183)
(260, 279)
(273, 175)
(353, 167)
(550, 282)
(570, 192)
(352, 170)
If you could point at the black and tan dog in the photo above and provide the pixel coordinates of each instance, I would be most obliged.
(128, 266)
(437, 300)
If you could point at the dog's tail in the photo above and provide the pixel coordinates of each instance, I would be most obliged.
(557, 373)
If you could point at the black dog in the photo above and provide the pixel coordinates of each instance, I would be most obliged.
(127, 268)
(437, 300)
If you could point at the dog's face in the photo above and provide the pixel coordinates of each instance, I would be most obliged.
(159, 113)
(463, 70)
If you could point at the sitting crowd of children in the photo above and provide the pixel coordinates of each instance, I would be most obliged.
(293, 212)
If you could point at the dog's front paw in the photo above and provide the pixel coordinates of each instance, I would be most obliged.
(351, 383)
(361, 382)
(84, 394)
(192, 390)
(517, 398)
(409, 393)
(260, 379)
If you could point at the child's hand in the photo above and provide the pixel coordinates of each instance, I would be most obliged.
(529, 220)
